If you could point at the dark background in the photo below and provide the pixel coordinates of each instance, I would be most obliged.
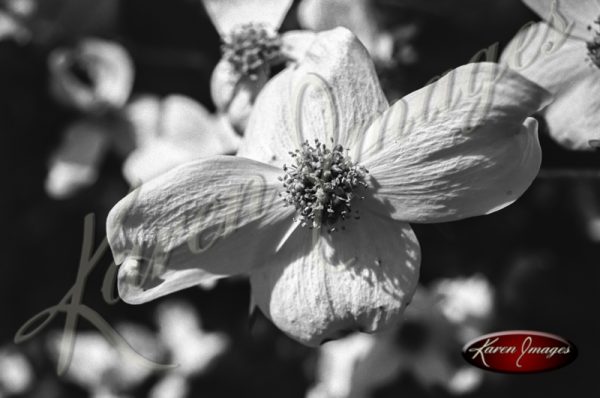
(537, 253)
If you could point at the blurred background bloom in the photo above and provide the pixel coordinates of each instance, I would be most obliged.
(424, 345)
(16, 373)
(251, 47)
(562, 54)
(171, 131)
(388, 44)
(99, 368)
(95, 79)
(192, 349)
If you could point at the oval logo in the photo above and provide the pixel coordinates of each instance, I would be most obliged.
(519, 351)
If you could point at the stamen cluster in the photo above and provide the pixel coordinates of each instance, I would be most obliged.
(321, 184)
(249, 47)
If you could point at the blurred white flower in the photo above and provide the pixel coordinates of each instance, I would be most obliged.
(53, 21)
(431, 157)
(425, 345)
(191, 348)
(99, 367)
(465, 298)
(11, 28)
(386, 45)
(251, 46)
(354, 366)
(562, 54)
(94, 77)
(74, 164)
(172, 131)
(586, 195)
(16, 373)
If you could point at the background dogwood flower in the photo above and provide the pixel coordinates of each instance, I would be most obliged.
(11, 28)
(172, 131)
(95, 78)
(459, 154)
(251, 46)
(98, 366)
(74, 165)
(192, 349)
(562, 54)
(386, 45)
(16, 373)
(426, 345)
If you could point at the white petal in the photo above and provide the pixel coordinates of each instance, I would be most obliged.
(154, 159)
(575, 17)
(321, 286)
(192, 348)
(184, 119)
(356, 15)
(548, 57)
(561, 65)
(464, 380)
(227, 14)
(213, 217)
(109, 68)
(75, 163)
(457, 148)
(296, 43)
(316, 99)
(574, 118)
(144, 113)
(10, 28)
(172, 132)
(16, 373)
(464, 299)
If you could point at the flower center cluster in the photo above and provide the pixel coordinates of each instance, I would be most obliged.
(251, 46)
(321, 184)
(593, 46)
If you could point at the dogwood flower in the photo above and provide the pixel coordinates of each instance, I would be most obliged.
(562, 54)
(423, 345)
(95, 78)
(172, 131)
(11, 28)
(16, 373)
(191, 348)
(385, 44)
(155, 134)
(251, 47)
(316, 209)
(100, 368)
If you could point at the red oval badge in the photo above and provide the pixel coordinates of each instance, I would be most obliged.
(519, 351)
